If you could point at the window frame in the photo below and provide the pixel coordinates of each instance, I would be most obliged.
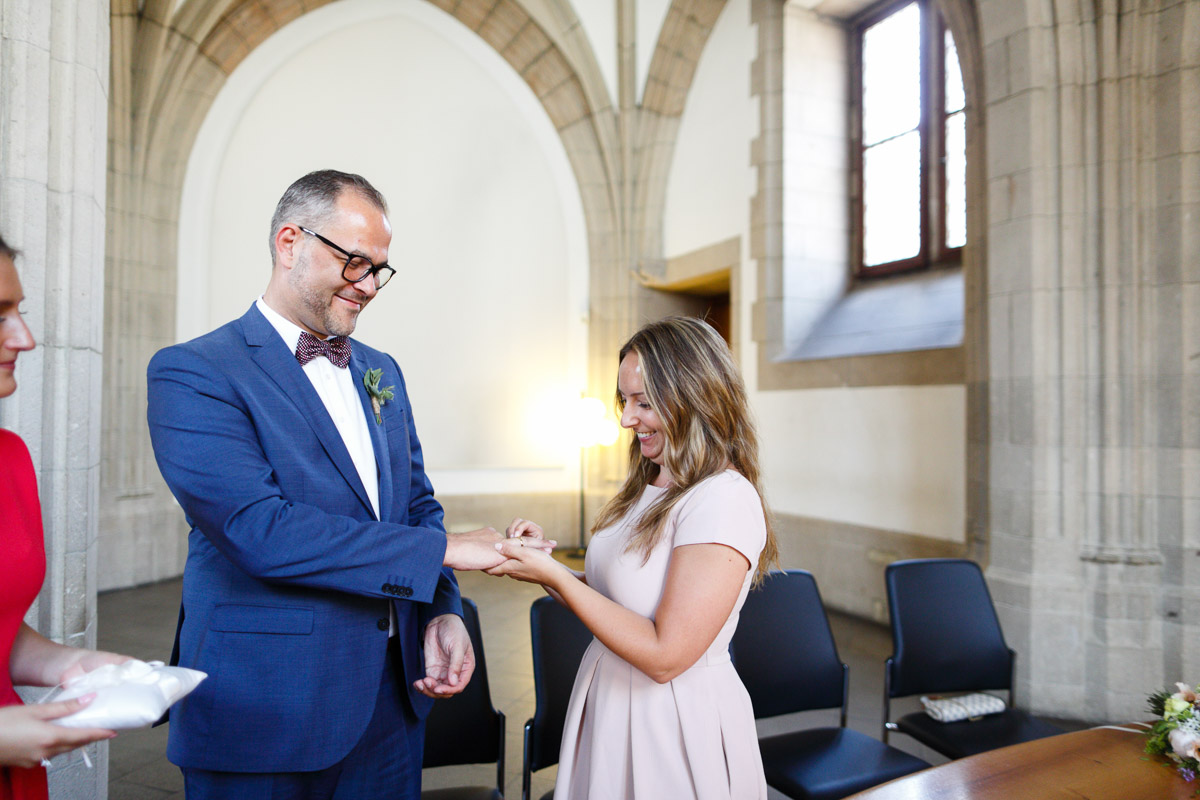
(933, 252)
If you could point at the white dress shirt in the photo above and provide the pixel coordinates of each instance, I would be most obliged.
(335, 386)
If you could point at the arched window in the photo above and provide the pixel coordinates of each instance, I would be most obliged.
(908, 126)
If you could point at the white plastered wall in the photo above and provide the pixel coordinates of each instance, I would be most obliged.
(486, 315)
(890, 458)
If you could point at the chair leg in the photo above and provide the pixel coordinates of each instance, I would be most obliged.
(526, 772)
(887, 700)
(500, 760)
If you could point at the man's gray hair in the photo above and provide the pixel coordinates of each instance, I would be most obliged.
(311, 199)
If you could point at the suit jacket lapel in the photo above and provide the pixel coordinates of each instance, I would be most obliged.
(358, 368)
(272, 356)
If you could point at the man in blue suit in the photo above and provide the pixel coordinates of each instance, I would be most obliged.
(318, 566)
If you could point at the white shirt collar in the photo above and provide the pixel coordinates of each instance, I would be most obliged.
(289, 330)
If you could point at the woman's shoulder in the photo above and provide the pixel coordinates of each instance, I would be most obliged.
(726, 490)
(723, 509)
(10, 444)
(15, 461)
(727, 484)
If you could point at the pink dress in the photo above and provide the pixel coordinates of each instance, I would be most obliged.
(625, 735)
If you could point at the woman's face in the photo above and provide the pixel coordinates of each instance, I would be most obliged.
(14, 334)
(638, 416)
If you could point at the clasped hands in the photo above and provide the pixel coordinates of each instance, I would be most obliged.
(485, 549)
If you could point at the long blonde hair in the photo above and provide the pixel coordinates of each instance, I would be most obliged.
(693, 385)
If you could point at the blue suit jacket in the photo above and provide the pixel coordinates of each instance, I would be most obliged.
(289, 575)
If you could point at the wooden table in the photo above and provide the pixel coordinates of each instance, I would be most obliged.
(1096, 764)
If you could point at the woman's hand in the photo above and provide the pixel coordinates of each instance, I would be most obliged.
(528, 529)
(38, 661)
(27, 736)
(528, 563)
(84, 661)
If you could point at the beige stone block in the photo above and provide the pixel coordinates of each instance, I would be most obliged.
(224, 47)
(529, 44)
(1010, 256)
(472, 13)
(503, 24)
(1188, 109)
(547, 72)
(999, 19)
(251, 21)
(1014, 133)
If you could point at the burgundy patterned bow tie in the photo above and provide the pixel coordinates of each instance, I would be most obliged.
(335, 348)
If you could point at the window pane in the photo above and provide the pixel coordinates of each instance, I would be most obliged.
(955, 98)
(891, 56)
(892, 200)
(956, 180)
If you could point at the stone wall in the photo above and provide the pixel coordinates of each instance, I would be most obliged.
(53, 133)
(1094, 207)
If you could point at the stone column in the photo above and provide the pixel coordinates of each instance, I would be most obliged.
(1094, 389)
(54, 57)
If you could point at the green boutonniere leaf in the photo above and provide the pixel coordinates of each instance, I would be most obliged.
(379, 396)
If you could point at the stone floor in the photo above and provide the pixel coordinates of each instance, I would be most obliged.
(141, 622)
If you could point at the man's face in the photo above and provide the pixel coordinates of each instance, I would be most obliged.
(326, 304)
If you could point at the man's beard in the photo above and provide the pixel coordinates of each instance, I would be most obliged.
(318, 305)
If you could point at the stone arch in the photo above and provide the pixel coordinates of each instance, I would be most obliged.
(685, 31)
(168, 65)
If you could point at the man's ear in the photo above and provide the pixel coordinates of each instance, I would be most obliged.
(287, 240)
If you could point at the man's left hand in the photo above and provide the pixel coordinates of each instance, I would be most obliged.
(449, 657)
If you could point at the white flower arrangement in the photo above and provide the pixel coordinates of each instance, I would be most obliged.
(1176, 734)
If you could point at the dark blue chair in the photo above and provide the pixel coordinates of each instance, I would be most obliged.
(558, 639)
(466, 728)
(785, 654)
(946, 638)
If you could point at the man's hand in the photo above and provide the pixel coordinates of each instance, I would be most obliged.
(449, 657)
(477, 549)
(27, 736)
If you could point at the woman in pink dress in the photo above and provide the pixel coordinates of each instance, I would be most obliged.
(27, 737)
(657, 710)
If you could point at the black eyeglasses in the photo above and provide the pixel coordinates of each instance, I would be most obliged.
(357, 267)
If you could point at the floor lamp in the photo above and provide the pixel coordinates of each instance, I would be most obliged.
(593, 426)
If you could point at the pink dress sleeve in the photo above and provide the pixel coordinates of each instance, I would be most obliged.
(724, 509)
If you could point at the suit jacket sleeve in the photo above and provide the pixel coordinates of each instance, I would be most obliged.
(212, 457)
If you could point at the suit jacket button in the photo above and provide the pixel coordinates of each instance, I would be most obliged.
(386, 588)
(382, 625)
(406, 591)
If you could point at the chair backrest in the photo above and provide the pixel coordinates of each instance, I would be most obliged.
(558, 639)
(466, 728)
(946, 636)
(783, 648)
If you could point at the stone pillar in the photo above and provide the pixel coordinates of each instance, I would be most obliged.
(53, 141)
(1094, 389)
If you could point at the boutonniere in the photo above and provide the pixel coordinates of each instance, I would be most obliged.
(379, 397)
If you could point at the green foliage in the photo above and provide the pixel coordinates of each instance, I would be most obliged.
(1157, 743)
(379, 396)
(1156, 702)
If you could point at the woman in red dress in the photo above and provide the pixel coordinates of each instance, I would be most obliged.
(27, 737)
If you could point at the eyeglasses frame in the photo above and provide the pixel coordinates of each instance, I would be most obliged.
(376, 270)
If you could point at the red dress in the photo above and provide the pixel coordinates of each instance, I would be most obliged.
(22, 570)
